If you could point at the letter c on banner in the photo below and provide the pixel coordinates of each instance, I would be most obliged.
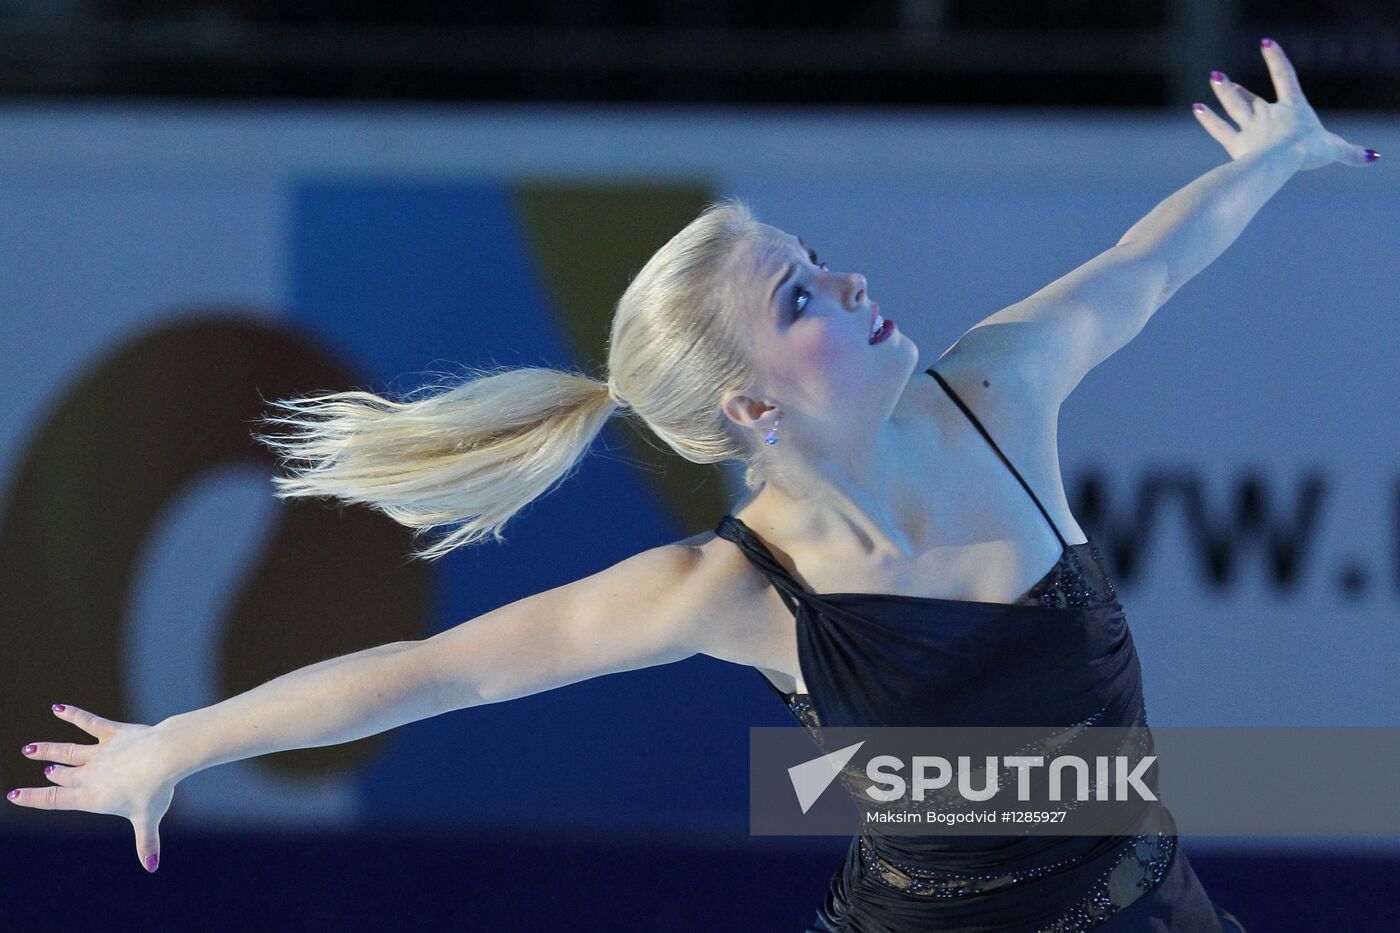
(113, 451)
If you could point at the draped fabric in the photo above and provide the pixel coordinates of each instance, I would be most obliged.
(1061, 655)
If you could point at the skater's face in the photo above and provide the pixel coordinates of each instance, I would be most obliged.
(808, 329)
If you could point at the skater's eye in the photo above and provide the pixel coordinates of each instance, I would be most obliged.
(798, 294)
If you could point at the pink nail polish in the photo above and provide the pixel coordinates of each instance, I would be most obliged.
(152, 861)
(1217, 77)
(49, 769)
(1372, 155)
(29, 749)
(1267, 43)
(13, 794)
(59, 707)
(1198, 107)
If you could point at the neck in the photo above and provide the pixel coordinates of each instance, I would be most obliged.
(854, 498)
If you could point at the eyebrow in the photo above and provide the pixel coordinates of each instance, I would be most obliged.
(792, 267)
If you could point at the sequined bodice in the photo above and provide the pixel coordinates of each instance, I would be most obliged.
(1077, 579)
(1059, 654)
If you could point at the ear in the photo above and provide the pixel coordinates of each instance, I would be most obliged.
(748, 412)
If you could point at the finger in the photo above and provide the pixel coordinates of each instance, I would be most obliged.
(1281, 71)
(52, 797)
(89, 722)
(1359, 155)
(60, 775)
(66, 752)
(1219, 130)
(1230, 98)
(147, 843)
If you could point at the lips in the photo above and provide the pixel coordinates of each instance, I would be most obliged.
(880, 327)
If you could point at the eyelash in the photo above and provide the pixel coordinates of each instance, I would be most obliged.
(812, 255)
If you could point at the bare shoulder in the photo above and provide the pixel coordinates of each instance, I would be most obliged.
(989, 382)
(700, 589)
(732, 599)
(1022, 419)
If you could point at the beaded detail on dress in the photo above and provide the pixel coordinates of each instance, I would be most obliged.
(1070, 584)
(1121, 884)
(801, 706)
(1118, 887)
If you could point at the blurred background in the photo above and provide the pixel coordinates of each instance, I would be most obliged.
(939, 53)
(206, 205)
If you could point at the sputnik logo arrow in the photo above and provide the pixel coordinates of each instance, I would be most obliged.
(810, 778)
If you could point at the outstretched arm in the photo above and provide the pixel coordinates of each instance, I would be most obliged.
(649, 609)
(1054, 337)
(631, 615)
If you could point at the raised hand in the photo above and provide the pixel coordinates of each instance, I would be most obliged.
(1290, 122)
(124, 774)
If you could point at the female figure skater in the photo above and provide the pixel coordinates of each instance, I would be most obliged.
(886, 520)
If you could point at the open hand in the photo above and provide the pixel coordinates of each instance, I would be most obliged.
(125, 774)
(1290, 122)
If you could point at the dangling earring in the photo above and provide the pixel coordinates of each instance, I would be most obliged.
(772, 436)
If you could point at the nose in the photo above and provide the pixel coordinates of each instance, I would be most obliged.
(858, 292)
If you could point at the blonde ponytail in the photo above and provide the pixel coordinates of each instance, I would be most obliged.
(474, 454)
(471, 455)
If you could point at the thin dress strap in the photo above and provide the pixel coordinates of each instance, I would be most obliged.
(732, 529)
(1014, 472)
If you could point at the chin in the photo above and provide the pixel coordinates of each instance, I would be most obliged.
(907, 351)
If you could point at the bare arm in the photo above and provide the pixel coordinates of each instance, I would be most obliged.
(650, 609)
(1054, 337)
(644, 611)
(327, 703)
(626, 617)
(1057, 335)
(1189, 230)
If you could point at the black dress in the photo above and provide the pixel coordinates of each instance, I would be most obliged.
(1062, 654)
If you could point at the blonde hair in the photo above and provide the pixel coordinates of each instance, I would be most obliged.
(473, 454)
